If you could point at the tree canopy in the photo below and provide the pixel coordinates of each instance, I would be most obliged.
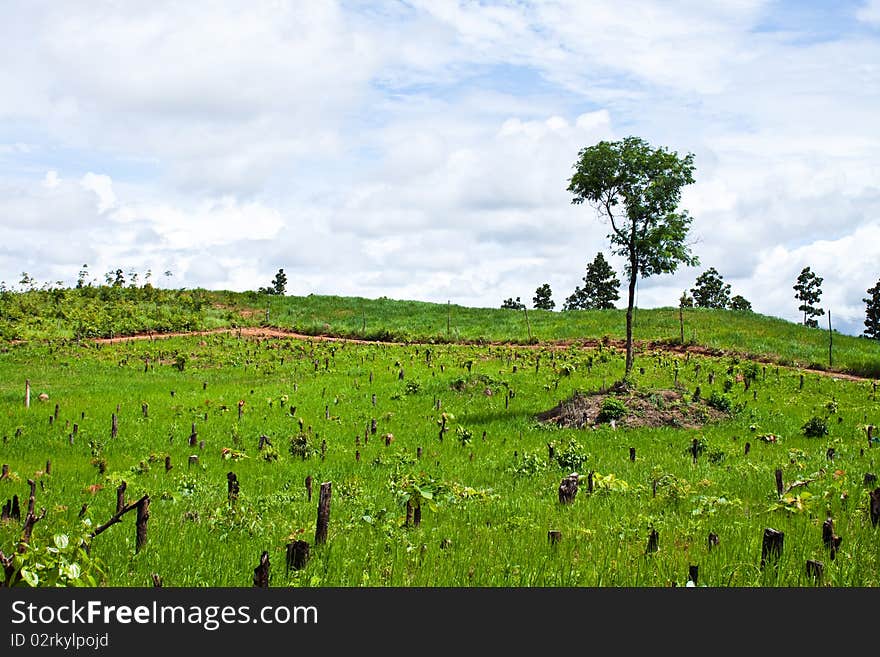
(600, 290)
(809, 290)
(543, 298)
(710, 290)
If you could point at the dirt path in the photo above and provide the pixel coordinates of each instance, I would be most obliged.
(588, 343)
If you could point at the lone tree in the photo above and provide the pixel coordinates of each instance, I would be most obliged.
(809, 290)
(739, 302)
(542, 298)
(637, 188)
(872, 313)
(710, 290)
(278, 286)
(600, 289)
(510, 304)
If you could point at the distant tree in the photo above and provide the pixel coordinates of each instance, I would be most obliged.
(600, 289)
(739, 302)
(115, 278)
(809, 291)
(710, 290)
(872, 312)
(638, 189)
(278, 286)
(279, 283)
(513, 305)
(542, 298)
(82, 276)
(685, 300)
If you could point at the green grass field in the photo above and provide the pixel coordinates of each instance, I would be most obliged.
(486, 486)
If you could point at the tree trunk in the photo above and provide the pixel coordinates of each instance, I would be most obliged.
(629, 321)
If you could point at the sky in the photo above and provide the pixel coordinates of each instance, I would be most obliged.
(422, 149)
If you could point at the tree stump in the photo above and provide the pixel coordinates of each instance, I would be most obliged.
(693, 573)
(323, 521)
(168, 465)
(568, 488)
(554, 536)
(695, 449)
(4, 472)
(297, 555)
(653, 541)
(713, 540)
(779, 485)
(875, 506)
(771, 546)
(632, 453)
(231, 487)
(815, 569)
(309, 487)
(114, 425)
(120, 496)
(157, 581)
(261, 572)
(829, 538)
(409, 514)
(417, 516)
(192, 460)
(870, 479)
(143, 515)
(748, 447)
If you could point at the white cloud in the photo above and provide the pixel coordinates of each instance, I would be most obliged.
(102, 186)
(869, 12)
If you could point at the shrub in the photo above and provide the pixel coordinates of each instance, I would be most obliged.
(571, 456)
(719, 402)
(612, 409)
(815, 427)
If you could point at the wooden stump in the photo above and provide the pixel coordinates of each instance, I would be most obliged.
(748, 447)
(4, 471)
(297, 555)
(261, 572)
(157, 581)
(192, 460)
(168, 465)
(114, 425)
(870, 479)
(590, 482)
(323, 521)
(693, 573)
(554, 536)
(409, 514)
(779, 485)
(713, 540)
(632, 453)
(417, 516)
(815, 569)
(231, 487)
(143, 515)
(875, 506)
(831, 540)
(568, 488)
(695, 450)
(120, 496)
(309, 487)
(771, 546)
(653, 541)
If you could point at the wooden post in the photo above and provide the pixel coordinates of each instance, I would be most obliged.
(55, 414)
(590, 482)
(27, 393)
(448, 321)
(120, 496)
(143, 515)
(550, 451)
(261, 572)
(801, 387)
(681, 323)
(323, 513)
(418, 452)
(771, 546)
(297, 555)
(114, 425)
(193, 436)
(48, 466)
(528, 325)
(815, 569)
(632, 453)
(653, 541)
(568, 488)
(309, 487)
(695, 447)
(779, 485)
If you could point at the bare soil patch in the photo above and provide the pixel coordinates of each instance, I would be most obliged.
(656, 408)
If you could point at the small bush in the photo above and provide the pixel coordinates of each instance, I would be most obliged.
(612, 409)
(571, 456)
(719, 402)
(815, 427)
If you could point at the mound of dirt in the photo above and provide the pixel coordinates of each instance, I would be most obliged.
(656, 408)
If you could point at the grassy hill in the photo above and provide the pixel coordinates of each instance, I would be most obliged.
(106, 312)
